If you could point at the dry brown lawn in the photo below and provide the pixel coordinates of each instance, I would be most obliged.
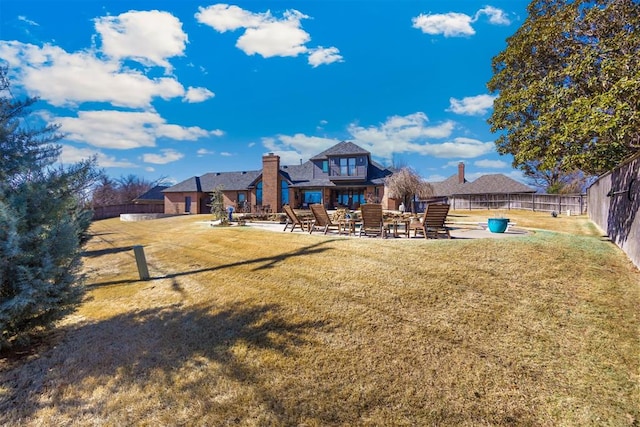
(239, 326)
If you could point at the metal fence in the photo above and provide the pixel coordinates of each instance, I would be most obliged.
(573, 204)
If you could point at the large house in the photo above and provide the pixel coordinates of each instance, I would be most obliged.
(458, 185)
(344, 175)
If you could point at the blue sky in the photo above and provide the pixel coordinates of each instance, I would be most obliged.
(174, 89)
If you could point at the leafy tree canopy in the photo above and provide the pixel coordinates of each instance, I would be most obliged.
(568, 86)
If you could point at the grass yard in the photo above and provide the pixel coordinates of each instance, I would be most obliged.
(247, 327)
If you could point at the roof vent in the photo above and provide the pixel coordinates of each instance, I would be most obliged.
(244, 172)
(217, 173)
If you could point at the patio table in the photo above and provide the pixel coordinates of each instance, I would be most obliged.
(348, 225)
(395, 223)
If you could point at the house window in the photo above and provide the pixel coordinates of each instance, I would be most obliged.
(284, 185)
(348, 166)
(352, 166)
(259, 193)
(311, 197)
(325, 166)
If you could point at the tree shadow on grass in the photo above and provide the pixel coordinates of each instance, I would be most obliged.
(177, 352)
(261, 263)
(108, 251)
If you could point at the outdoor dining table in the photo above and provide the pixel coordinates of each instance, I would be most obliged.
(395, 224)
(348, 225)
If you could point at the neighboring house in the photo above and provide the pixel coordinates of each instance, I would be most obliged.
(457, 185)
(344, 175)
(152, 197)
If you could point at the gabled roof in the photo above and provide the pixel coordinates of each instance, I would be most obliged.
(486, 184)
(344, 148)
(297, 175)
(154, 193)
(229, 181)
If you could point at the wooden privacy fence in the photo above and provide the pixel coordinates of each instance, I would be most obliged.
(574, 204)
(112, 211)
(614, 205)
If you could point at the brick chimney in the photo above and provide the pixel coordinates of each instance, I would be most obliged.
(461, 179)
(270, 182)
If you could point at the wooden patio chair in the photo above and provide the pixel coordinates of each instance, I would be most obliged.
(293, 220)
(432, 223)
(372, 221)
(322, 219)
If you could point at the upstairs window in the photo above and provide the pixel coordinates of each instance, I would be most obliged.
(352, 166)
(325, 166)
(348, 166)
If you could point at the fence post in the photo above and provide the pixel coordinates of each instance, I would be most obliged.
(141, 262)
(533, 202)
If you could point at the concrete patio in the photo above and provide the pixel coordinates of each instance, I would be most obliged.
(457, 231)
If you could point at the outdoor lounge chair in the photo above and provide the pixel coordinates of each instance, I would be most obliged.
(322, 219)
(293, 220)
(372, 221)
(432, 223)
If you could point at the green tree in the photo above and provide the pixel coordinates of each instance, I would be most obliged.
(568, 86)
(405, 184)
(42, 224)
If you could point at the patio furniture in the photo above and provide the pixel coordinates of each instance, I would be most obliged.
(432, 222)
(372, 223)
(394, 225)
(293, 220)
(322, 219)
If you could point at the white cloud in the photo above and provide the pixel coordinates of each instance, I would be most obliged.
(276, 38)
(149, 37)
(226, 154)
(222, 17)
(124, 130)
(204, 152)
(71, 154)
(455, 24)
(397, 135)
(197, 94)
(265, 34)
(400, 134)
(320, 56)
(299, 146)
(67, 79)
(471, 105)
(28, 21)
(166, 156)
(449, 24)
(496, 16)
(495, 164)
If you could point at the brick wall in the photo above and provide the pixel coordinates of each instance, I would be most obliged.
(270, 182)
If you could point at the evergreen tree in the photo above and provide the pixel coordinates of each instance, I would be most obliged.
(42, 223)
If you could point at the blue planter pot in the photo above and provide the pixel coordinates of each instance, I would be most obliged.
(498, 225)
